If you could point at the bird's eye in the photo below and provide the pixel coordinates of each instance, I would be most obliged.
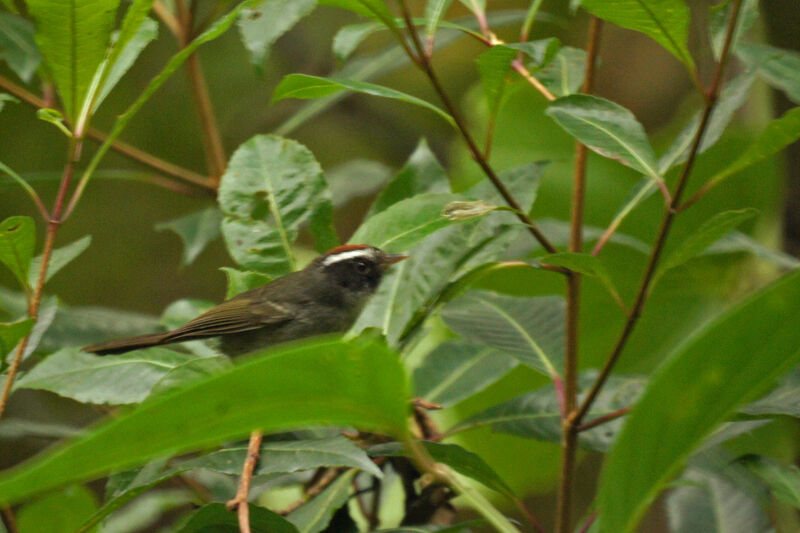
(362, 267)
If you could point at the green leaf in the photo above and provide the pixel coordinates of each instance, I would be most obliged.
(724, 364)
(17, 239)
(289, 456)
(588, 265)
(665, 21)
(783, 480)
(564, 74)
(262, 24)
(357, 178)
(217, 518)
(47, 312)
(375, 9)
(321, 226)
(240, 281)
(13, 332)
(304, 86)
(456, 370)
(59, 512)
(778, 67)
(54, 117)
(272, 187)
(717, 498)
(607, 128)
(709, 231)
(106, 380)
(149, 510)
(127, 48)
(454, 456)
(191, 371)
(73, 36)
(316, 514)
(778, 134)
(17, 46)
(59, 258)
(349, 37)
(3, 99)
(405, 223)
(196, 230)
(530, 329)
(720, 20)
(421, 173)
(355, 383)
(733, 96)
(537, 414)
(435, 10)
(782, 400)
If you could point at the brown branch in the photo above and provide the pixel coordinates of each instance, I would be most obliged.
(212, 140)
(8, 519)
(73, 156)
(530, 78)
(570, 435)
(425, 64)
(123, 148)
(599, 421)
(663, 232)
(240, 500)
(169, 20)
(328, 476)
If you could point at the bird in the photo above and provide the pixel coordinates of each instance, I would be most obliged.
(325, 297)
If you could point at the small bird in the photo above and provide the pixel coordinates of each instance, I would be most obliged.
(325, 297)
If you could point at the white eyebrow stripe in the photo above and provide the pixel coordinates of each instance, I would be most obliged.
(350, 254)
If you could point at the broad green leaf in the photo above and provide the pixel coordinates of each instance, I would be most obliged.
(435, 10)
(17, 46)
(586, 264)
(375, 9)
(59, 512)
(405, 223)
(422, 173)
(73, 36)
(47, 312)
(736, 242)
(289, 456)
(778, 134)
(316, 514)
(530, 329)
(272, 187)
(240, 281)
(304, 86)
(607, 128)
(149, 510)
(716, 499)
(783, 480)
(127, 49)
(349, 37)
(665, 21)
(13, 332)
(59, 258)
(709, 231)
(321, 226)
(564, 74)
(541, 51)
(454, 456)
(778, 67)
(262, 24)
(331, 382)
(190, 371)
(17, 239)
(720, 20)
(196, 230)
(782, 400)
(14, 428)
(537, 414)
(107, 380)
(733, 96)
(217, 518)
(724, 364)
(456, 370)
(356, 178)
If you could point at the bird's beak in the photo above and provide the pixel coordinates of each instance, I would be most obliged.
(391, 259)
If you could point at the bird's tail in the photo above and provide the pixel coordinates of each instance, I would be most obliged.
(132, 343)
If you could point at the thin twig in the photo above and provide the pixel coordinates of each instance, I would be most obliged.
(569, 433)
(73, 156)
(212, 140)
(123, 148)
(242, 493)
(169, 20)
(8, 519)
(663, 232)
(328, 476)
(599, 421)
(426, 66)
(519, 66)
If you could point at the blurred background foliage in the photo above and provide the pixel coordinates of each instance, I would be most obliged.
(133, 266)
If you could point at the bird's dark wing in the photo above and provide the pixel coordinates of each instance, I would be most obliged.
(246, 312)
